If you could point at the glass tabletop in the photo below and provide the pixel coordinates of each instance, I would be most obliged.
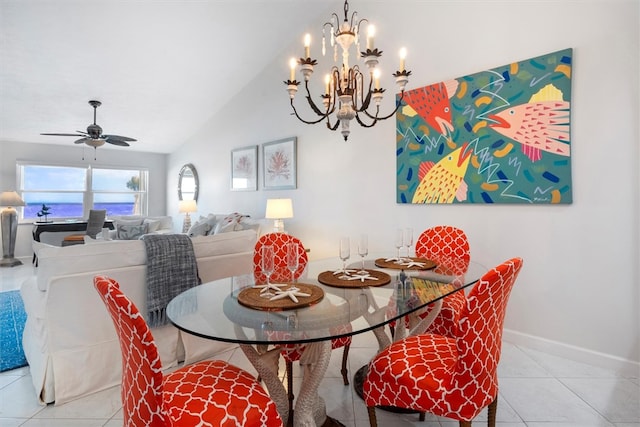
(212, 310)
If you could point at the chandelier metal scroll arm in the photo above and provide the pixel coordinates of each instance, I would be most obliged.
(363, 124)
(376, 118)
(295, 112)
(329, 109)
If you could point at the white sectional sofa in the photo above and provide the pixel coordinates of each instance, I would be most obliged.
(69, 339)
(151, 225)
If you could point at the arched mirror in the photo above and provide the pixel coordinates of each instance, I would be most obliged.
(188, 183)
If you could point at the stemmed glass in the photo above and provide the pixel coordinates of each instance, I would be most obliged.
(408, 241)
(267, 264)
(292, 260)
(363, 250)
(399, 244)
(345, 253)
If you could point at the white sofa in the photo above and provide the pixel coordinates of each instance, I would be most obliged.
(152, 224)
(69, 339)
(155, 225)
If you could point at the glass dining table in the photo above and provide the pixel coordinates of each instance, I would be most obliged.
(218, 310)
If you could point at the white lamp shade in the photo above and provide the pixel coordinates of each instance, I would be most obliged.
(10, 198)
(279, 209)
(187, 206)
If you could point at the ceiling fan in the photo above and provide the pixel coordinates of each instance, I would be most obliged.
(94, 137)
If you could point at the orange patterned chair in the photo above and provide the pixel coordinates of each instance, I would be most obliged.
(449, 247)
(212, 393)
(453, 377)
(292, 353)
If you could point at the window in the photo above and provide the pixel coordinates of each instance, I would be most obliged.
(70, 191)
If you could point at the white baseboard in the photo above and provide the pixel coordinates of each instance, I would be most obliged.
(623, 367)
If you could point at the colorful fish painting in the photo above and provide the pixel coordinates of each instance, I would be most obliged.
(540, 124)
(443, 181)
(516, 123)
(432, 104)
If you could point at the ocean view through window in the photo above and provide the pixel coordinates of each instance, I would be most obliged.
(71, 191)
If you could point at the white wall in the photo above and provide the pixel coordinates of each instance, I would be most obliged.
(578, 291)
(71, 155)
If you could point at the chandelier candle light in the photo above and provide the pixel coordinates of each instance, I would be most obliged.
(345, 92)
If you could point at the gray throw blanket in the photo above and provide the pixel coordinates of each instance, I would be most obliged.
(171, 269)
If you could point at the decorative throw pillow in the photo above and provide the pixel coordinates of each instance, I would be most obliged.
(246, 223)
(229, 223)
(211, 221)
(152, 225)
(200, 228)
(119, 221)
(130, 232)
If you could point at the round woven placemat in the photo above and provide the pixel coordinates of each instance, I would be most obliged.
(428, 264)
(330, 279)
(250, 297)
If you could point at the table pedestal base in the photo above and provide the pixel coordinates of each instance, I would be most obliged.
(329, 422)
(358, 382)
(310, 408)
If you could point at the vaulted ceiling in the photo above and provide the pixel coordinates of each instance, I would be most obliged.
(160, 68)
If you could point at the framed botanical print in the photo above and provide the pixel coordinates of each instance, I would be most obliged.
(279, 164)
(244, 169)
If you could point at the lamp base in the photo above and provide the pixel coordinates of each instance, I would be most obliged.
(186, 225)
(278, 226)
(10, 262)
(9, 223)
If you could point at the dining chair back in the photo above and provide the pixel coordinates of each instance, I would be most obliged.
(279, 242)
(206, 393)
(293, 352)
(449, 247)
(453, 377)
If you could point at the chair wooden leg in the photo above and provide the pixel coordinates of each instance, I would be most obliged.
(465, 423)
(422, 416)
(343, 371)
(290, 385)
(491, 416)
(373, 422)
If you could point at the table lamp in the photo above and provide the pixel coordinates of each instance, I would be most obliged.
(186, 207)
(9, 219)
(279, 209)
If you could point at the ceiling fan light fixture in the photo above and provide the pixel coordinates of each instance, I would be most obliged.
(94, 137)
(95, 143)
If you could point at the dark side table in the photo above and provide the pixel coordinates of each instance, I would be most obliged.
(57, 226)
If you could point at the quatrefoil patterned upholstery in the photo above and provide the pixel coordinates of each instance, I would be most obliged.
(453, 377)
(292, 353)
(279, 242)
(211, 393)
(448, 246)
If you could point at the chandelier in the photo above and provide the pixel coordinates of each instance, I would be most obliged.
(347, 92)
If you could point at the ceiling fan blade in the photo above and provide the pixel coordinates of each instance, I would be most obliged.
(61, 134)
(121, 138)
(117, 142)
(82, 140)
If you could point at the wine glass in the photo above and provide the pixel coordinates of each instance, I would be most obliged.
(292, 260)
(345, 253)
(408, 240)
(363, 250)
(267, 264)
(399, 243)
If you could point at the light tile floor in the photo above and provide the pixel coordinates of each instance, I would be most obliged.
(536, 390)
